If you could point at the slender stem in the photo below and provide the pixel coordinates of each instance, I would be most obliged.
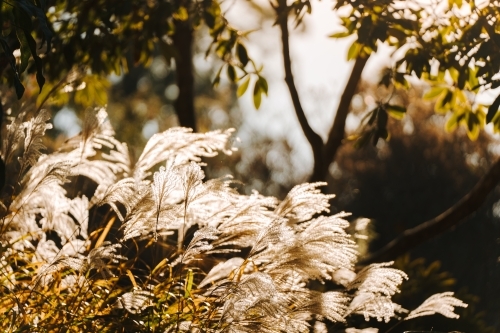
(394, 326)
(105, 232)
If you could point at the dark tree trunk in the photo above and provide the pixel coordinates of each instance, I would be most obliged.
(183, 43)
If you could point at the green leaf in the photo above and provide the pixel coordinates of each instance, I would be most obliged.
(231, 73)
(496, 123)
(182, 14)
(384, 134)
(188, 284)
(473, 126)
(241, 51)
(493, 109)
(216, 80)
(442, 101)
(243, 87)
(25, 50)
(222, 48)
(263, 85)
(495, 84)
(373, 115)
(486, 69)
(396, 111)
(363, 139)
(257, 95)
(38, 61)
(340, 34)
(375, 137)
(19, 87)
(453, 121)
(382, 119)
(32, 10)
(453, 73)
(354, 51)
(209, 19)
(399, 79)
(472, 80)
(12, 62)
(398, 34)
(94, 93)
(396, 108)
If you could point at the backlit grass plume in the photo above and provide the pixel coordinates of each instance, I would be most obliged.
(151, 246)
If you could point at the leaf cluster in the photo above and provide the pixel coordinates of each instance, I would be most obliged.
(19, 21)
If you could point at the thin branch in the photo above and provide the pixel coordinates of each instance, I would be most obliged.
(451, 217)
(312, 137)
(337, 132)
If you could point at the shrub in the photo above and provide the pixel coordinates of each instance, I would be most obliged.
(167, 251)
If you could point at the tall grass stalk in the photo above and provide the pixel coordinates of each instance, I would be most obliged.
(93, 242)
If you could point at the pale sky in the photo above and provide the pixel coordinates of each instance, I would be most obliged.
(320, 71)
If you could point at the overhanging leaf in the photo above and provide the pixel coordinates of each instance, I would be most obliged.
(37, 13)
(493, 109)
(473, 126)
(353, 51)
(231, 73)
(241, 51)
(340, 34)
(396, 111)
(38, 61)
(453, 121)
(209, 19)
(263, 84)
(434, 92)
(257, 95)
(25, 50)
(243, 87)
(12, 62)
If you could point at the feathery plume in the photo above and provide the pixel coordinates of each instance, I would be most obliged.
(183, 145)
(35, 130)
(303, 201)
(443, 303)
(134, 301)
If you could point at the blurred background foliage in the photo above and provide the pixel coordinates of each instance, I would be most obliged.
(126, 54)
(420, 172)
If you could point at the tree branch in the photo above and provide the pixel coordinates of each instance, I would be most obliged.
(451, 217)
(312, 137)
(337, 132)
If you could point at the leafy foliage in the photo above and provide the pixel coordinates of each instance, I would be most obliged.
(450, 45)
(93, 39)
(16, 20)
(221, 261)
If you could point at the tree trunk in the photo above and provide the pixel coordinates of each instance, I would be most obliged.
(183, 43)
